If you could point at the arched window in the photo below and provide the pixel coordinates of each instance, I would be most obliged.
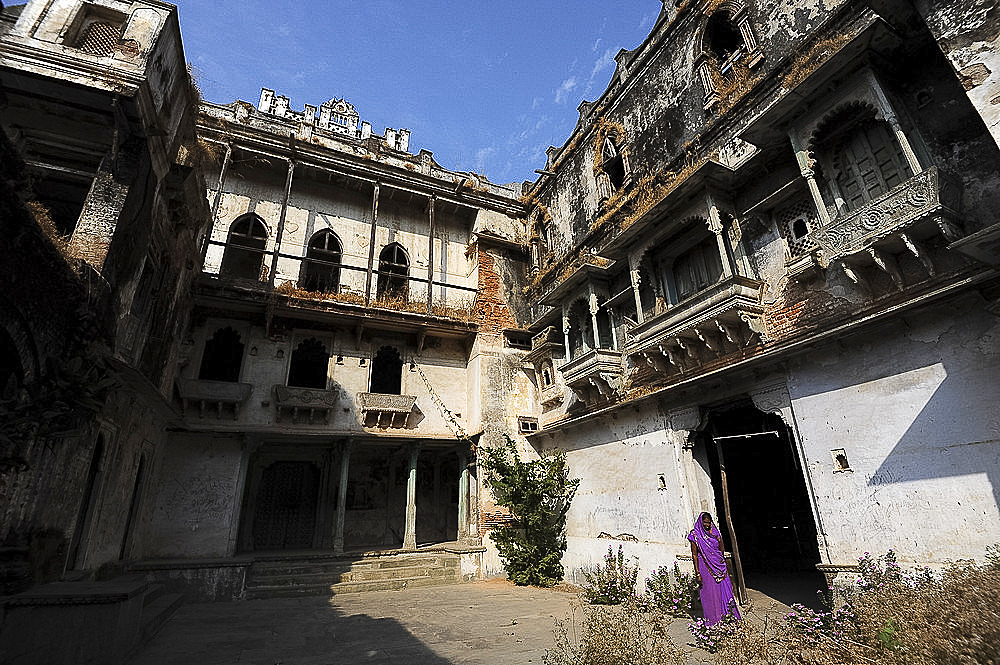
(858, 158)
(393, 270)
(322, 265)
(309, 365)
(223, 356)
(244, 255)
(697, 268)
(581, 329)
(387, 372)
(613, 164)
(724, 41)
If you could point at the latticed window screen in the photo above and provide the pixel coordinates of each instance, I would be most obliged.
(99, 38)
(795, 222)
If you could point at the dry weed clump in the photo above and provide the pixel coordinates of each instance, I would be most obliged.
(615, 635)
(891, 618)
(811, 58)
(43, 217)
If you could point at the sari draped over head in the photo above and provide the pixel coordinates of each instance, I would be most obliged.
(709, 548)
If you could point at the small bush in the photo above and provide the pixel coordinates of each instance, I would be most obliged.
(671, 591)
(611, 583)
(618, 635)
(710, 638)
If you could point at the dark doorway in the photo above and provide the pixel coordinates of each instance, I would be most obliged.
(285, 516)
(387, 372)
(223, 357)
(86, 514)
(768, 501)
(437, 497)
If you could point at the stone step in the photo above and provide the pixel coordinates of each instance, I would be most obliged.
(342, 566)
(298, 590)
(157, 612)
(308, 577)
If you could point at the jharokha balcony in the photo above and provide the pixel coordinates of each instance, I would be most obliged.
(595, 371)
(900, 221)
(723, 319)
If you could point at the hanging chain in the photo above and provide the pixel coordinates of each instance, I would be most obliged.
(453, 423)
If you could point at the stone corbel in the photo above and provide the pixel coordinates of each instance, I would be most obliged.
(731, 333)
(688, 418)
(710, 340)
(854, 274)
(772, 399)
(673, 358)
(949, 229)
(655, 362)
(755, 323)
(887, 262)
(687, 347)
(919, 251)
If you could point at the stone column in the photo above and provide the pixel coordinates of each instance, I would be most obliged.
(430, 254)
(716, 226)
(345, 464)
(565, 331)
(805, 166)
(223, 170)
(593, 317)
(410, 535)
(634, 275)
(897, 128)
(463, 496)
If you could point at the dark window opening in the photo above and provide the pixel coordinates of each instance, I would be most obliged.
(581, 329)
(517, 340)
(604, 329)
(244, 254)
(322, 265)
(387, 372)
(526, 425)
(724, 39)
(697, 268)
(546, 377)
(393, 270)
(800, 229)
(309, 365)
(223, 357)
(614, 165)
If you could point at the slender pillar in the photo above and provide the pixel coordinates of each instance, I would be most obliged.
(463, 496)
(345, 465)
(897, 128)
(410, 535)
(805, 167)
(566, 328)
(716, 226)
(371, 247)
(639, 316)
(216, 202)
(430, 255)
(281, 221)
(614, 334)
(593, 318)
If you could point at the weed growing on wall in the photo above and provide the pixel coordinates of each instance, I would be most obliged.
(538, 494)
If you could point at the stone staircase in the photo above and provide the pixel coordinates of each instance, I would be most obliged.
(318, 575)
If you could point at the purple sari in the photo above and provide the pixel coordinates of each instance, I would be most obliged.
(717, 598)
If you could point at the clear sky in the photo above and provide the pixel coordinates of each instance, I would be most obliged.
(485, 86)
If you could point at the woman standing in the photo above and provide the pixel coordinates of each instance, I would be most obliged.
(717, 599)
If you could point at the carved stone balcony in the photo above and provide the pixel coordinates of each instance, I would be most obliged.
(386, 411)
(594, 375)
(901, 220)
(307, 405)
(723, 319)
(213, 397)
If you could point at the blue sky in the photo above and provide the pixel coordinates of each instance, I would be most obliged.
(485, 86)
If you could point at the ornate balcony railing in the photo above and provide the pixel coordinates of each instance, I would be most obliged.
(723, 319)
(214, 398)
(304, 404)
(925, 204)
(386, 411)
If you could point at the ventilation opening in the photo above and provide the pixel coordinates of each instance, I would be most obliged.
(100, 35)
(526, 425)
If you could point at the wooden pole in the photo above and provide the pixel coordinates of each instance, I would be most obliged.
(741, 588)
(371, 248)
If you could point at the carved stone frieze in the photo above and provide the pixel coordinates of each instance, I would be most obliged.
(929, 194)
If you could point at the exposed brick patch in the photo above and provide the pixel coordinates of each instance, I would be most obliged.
(491, 309)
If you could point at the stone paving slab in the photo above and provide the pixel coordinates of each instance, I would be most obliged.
(491, 622)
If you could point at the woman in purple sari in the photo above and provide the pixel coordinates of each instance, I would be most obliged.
(717, 599)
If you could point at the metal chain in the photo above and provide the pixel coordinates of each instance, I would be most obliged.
(453, 423)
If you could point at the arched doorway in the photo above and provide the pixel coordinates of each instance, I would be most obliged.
(754, 454)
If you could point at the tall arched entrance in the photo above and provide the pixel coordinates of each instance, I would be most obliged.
(760, 487)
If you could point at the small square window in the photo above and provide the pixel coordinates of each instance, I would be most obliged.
(517, 339)
(526, 425)
(840, 462)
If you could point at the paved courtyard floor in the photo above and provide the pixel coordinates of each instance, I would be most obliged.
(491, 622)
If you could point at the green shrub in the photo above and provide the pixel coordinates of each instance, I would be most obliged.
(611, 583)
(538, 494)
(671, 591)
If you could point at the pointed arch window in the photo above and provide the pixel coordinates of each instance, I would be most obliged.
(223, 356)
(322, 265)
(244, 254)
(387, 372)
(726, 40)
(393, 273)
(310, 361)
(858, 159)
(611, 166)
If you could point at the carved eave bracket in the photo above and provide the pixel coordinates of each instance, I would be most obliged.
(308, 405)
(595, 376)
